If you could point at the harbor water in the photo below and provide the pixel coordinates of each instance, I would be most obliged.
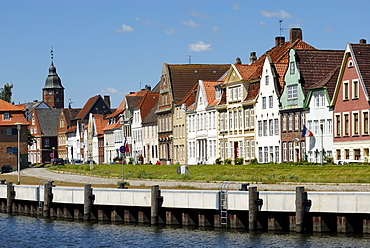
(22, 231)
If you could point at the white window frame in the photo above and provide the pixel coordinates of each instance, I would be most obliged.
(355, 89)
(292, 91)
(346, 90)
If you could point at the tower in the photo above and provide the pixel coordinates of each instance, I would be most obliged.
(53, 91)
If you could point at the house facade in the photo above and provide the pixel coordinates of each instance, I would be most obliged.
(351, 105)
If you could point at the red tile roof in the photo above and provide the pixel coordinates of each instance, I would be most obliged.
(253, 90)
(189, 99)
(209, 88)
(147, 103)
(87, 107)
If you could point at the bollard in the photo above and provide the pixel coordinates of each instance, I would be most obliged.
(302, 205)
(48, 198)
(254, 204)
(9, 197)
(88, 201)
(156, 202)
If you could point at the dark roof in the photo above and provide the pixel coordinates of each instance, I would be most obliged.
(48, 120)
(184, 77)
(361, 54)
(319, 68)
(70, 114)
(133, 101)
(151, 117)
(53, 81)
(90, 106)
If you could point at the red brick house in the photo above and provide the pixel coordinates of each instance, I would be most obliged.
(10, 115)
(351, 105)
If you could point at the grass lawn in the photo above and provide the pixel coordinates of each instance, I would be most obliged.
(266, 173)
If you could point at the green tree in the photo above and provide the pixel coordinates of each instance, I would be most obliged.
(6, 92)
(30, 138)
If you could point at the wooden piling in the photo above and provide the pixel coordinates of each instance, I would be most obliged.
(9, 197)
(88, 202)
(156, 202)
(48, 198)
(253, 208)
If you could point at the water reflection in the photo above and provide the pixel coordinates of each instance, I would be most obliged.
(19, 231)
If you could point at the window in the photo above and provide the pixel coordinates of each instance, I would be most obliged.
(267, 80)
(260, 154)
(355, 89)
(271, 127)
(345, 90)
(346, 124)
(292, 67)
(365, 127)
(240, 120)
(253, 154)
(236, 119)
(47, 142)
(259, 128)
(284, 122)
(265, 128)
(292, 91)
(222, 121)
(271, 103)
(316, 127)
(329, 126)
(290, 151)
(265, 153)
(284, 151)
(276, 154)
(290, 121)
(231, 120)
(296, 121)
(355, 124)
(264, 102)
(276, 123)
(240, 97)
(6, 116)
(9, 150)
(337, 125)
(302, 120)
(246, 112)
(252, 118)
(247, 149)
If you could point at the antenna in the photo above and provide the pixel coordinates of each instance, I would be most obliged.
(281, 27)
(189, 59)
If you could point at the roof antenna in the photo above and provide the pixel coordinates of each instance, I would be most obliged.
(52, 54)
(281, 27)
(189, 59)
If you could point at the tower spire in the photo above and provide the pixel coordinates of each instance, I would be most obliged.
(52, 54)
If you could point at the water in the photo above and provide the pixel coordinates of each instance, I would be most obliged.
(20, 231)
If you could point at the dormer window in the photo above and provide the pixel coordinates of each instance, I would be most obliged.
(6, 116)
(350, 64)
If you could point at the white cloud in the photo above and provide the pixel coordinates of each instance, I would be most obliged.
(196, 13)
(263, 23)
(191, 24)
(236, 6)
(280, 13)
(199, 47)
(125, 28)
(329, 29)
(169, 31)
(113, 91)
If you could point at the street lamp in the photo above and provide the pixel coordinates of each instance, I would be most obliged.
(18, 152)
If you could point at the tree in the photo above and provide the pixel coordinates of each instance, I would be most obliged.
(6, 92)
(30, 138)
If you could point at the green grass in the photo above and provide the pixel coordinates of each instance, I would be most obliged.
(265, 173)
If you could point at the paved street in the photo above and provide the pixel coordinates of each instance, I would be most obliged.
(44, 173)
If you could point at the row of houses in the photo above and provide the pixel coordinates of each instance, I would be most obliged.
(293, 103)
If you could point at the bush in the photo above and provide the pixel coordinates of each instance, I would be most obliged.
(239, 160)
(227, 161)
(254, 161)
(218, 161)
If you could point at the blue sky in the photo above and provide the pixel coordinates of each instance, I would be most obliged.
(112, 47)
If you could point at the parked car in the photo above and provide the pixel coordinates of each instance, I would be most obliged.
(76, 161)
(6, 169)
(57, 161)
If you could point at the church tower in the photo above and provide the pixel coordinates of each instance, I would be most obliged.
(53, 91)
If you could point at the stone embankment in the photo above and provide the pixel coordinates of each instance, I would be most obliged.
(44, 173)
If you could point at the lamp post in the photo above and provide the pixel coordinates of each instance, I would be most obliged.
(18, 152)
(223, 139)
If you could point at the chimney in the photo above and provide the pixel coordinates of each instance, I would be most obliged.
(252, 57)
(107, 100)
(295, 34)
(363, 41)
(279, 40)
(238, 61)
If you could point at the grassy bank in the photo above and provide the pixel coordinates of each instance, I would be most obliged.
(266, 173)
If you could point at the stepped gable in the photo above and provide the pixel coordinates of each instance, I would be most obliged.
(48, 120)
(361, 57)
(317, 67)
(184, 77)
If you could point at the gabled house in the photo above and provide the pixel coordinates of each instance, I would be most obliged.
(351, 104)
(176, 81)
(76, 134)
(319, 71)
(202, 124)
(12, 117)
(140, 149)
(94, 141)
(64, 123)
(150, 136)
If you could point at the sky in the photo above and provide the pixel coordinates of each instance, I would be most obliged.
(112, 47)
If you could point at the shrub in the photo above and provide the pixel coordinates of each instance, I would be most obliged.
(239, 160)
(254, 161)
(218, 161)
(227, 161)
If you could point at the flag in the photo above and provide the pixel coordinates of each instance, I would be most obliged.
(306, 132)
(126, 145)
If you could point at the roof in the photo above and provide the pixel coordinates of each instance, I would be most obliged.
(319, 68)
(70, 114)
(100, 123)
(252, 91)
(209, 89)
(361, 54)
(184, 77)
(151, 117)
(53, 81)
(89, 107)
(147, 103)
(189, 99)
(5, 106)
(48, 120)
